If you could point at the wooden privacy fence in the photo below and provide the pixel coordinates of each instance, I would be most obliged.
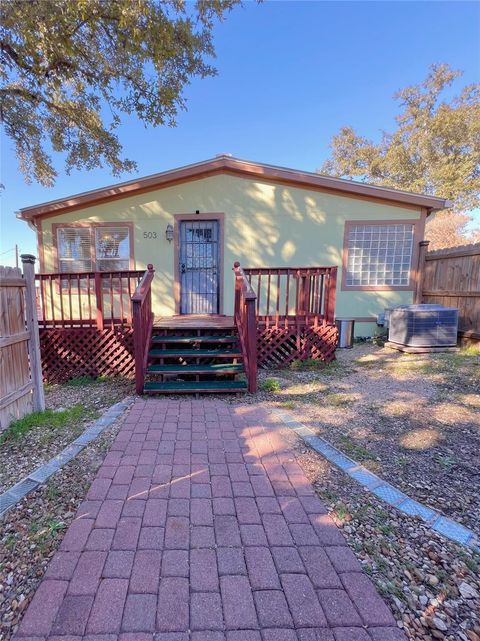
(21, 385)
(451, 277)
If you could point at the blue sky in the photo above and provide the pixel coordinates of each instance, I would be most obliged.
(290, 75)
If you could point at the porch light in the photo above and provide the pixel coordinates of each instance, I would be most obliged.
(169, 233)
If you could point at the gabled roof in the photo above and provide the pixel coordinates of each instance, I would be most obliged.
(225, 164)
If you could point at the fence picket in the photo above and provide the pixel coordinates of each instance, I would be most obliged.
(451, 277)
(21, 385)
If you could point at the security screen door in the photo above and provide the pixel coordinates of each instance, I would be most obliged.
(199, 267)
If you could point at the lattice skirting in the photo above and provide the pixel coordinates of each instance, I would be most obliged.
(68, 353)
(280, 346)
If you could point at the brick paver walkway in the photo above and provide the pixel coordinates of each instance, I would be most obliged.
(200, 526)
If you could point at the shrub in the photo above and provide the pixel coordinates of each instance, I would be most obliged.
(270, 385)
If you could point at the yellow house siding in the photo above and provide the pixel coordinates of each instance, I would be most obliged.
(266, 224)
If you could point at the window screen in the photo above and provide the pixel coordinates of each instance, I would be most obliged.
(74, 249)
(379, 255)
(112, 247)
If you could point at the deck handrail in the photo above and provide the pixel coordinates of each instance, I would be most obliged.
(286, 295)
(142, 325)
(245, 321)
(85, 299)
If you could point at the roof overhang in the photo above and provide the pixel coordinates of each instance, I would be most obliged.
(228, 165)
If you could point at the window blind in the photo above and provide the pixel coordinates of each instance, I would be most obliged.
(112, 247)
(100, 248)
(74, 249)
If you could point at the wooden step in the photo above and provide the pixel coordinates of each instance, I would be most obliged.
(218, 368)
(194, 339)
(194, 322)
(194, 387)
(194, 353)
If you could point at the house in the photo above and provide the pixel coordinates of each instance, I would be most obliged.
(289, 230)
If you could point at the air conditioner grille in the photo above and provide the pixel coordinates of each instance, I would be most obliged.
(423, 325)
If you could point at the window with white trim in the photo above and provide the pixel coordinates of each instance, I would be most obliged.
(98, 248)
(379, 254)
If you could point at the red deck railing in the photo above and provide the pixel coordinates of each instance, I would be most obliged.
(286, 295)
(86, 299)
(275, 309)
(142, 325)
(245, 321)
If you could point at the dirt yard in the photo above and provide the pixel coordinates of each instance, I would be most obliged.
(412, 419)
(70, 409)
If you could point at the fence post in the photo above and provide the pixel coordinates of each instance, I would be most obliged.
(422, 252)
(28, 263)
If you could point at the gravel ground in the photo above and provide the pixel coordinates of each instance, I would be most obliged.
(413, 420)
(20, 457)
(431, 584)
(31, 532)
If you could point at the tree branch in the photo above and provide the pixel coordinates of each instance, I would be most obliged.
(7, 49)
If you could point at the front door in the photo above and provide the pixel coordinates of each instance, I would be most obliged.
(199, 267)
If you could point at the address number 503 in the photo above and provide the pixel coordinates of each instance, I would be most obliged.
(149, 234)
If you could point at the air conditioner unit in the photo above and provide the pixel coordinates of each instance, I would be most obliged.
(423, 326)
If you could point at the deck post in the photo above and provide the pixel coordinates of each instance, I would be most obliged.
(301, 282)
(252, 345)
(330, 295)
(142, 325)
(236, 265)
(138, 347)
(28, 263)
(99, 302)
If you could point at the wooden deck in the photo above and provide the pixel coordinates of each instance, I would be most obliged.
(102, 323)
(194, 321)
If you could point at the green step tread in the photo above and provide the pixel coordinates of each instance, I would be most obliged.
(194, 386)
(219, 368)
(194, 339)
(167, 353)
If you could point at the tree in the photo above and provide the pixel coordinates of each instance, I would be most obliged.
(448, 229)
(434, 150)
(70, 68)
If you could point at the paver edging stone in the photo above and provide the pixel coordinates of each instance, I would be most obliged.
(32, 481)
(380, 488)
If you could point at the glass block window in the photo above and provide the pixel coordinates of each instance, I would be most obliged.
(379, 255)
(98, 248)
